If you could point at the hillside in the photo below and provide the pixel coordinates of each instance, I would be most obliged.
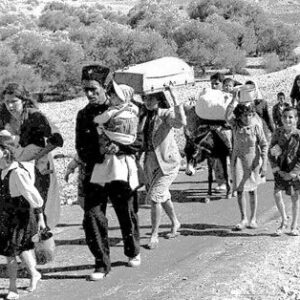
(284, 10)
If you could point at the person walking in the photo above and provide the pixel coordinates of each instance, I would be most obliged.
(284, 156)
(21, 215)
(37, 137)
(121, 194)
(249, 157)
(162, 159)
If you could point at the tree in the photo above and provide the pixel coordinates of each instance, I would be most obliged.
(161, 17)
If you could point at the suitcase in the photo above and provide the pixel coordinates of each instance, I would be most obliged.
(153, 76)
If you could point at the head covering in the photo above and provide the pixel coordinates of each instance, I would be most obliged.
(123, 91)
(95, 72)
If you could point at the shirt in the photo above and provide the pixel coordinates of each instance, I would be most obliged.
(21, 184)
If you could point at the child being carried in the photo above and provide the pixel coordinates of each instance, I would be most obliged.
(116, 126)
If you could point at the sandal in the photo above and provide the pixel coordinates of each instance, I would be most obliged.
(12, 295)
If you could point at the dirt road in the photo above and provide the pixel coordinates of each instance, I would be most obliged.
(207, 261)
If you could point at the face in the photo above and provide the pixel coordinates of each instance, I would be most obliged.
(151, 102)
(94, 92)
(115, 100)
(289, 120)
(3, 161)
(13, 104)
(298, 82)
(228, 87)
(246, 118)
(281, 98)
(216, 84)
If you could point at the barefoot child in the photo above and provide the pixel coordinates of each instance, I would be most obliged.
(284, 156)
(20, 217)
(249, 158)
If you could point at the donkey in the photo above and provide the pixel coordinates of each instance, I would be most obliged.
(204, 142)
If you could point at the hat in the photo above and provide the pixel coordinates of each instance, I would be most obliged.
(95, 72)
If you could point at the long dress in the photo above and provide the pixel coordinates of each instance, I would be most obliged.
(249, 148)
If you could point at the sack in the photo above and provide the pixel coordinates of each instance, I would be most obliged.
(211, 104)
(153, 76)
(44, 247)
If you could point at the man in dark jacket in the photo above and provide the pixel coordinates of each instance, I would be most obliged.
(124, 200)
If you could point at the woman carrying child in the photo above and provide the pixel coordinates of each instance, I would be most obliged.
(21, 215)
(162, 159)
(249, 157)
(284, 156)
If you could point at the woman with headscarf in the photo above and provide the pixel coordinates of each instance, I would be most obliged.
(36, 138)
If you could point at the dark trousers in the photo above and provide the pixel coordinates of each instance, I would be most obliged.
(124, 201)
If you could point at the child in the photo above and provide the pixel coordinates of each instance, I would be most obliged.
(162, 159)
(21, 216)
(116, 126)
(278, 109)
(228, 85)
(249, 158)
(284, 156)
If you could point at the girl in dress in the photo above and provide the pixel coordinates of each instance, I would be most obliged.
(249, 157)
(21, 216)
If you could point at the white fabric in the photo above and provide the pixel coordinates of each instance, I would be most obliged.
(114, 167)
(52, 207)
(22, 184)
(211, 104)
(122, 138)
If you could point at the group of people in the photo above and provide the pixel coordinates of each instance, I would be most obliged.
(120, 145)
(251, 125)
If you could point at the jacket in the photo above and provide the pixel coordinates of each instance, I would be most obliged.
(163, 140)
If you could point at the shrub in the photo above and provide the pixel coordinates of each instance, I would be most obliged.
(272, 62)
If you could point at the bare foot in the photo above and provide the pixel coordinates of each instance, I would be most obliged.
(33, 282)
(174, 231)
(240, 226)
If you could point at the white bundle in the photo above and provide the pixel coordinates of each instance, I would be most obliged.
(211, 104)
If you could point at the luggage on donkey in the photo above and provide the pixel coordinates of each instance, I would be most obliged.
(153, 76)
(211, 104)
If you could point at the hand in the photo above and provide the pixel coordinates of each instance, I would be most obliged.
(262, 171)
(41, 224)
(68, 173)
(112, 148)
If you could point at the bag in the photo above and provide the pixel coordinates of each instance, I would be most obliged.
(44, 247)
(211, 104)
(153, 76)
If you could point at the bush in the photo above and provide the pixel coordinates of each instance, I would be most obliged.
(272, 63)
(205, 45)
